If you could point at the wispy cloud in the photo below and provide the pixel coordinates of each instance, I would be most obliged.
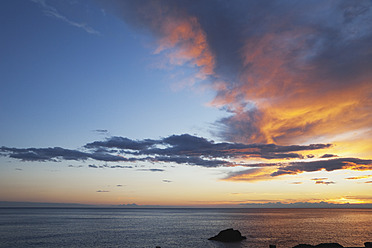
(358, 177)
(152, 170)
(319, 178)
(51, 11)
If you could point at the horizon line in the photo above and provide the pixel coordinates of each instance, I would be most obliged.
(273, 205)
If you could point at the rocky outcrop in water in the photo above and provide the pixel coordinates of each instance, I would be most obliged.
(323, 245)
(228, 235)
(330, 245)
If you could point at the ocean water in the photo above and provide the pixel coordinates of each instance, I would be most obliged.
(169, 228)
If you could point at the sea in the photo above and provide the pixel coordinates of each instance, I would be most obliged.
(170, 228)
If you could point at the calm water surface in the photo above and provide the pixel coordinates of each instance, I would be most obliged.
(168, 228)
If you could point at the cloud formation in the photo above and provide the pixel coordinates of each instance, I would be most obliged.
(268, 171)
(197, 151)
(180, 149)
(328, 165)
(56, 154)
(286, 72)
(51, 11)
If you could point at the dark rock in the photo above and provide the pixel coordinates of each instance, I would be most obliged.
(368, 244)
(228, 235)
(303, 246)
(329, 245)
(323, 245)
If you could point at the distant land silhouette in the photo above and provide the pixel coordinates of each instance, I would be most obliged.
(134, 205)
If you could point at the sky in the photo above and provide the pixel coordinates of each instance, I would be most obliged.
(186, 103)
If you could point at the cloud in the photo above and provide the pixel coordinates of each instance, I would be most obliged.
(319, 178)
(110, 166)
(358, 177)
(120, 167)
(51, 11)
(328, 156)
(102, 191)
(193, 148)
(328, 165)
(268, 171)
(320, 204)
(297, 183)
(152, 170)
(286, 72)
(122, 143)
(197, 151)
(56, 154)
(368, 182)
(250, 175)
(101, 131)
(324, 182)
(167, 181)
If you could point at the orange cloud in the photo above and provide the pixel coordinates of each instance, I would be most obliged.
(359, 177)
(251, 175)
(182, 38)
(294, 104)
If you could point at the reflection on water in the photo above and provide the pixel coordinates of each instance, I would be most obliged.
(171, 228)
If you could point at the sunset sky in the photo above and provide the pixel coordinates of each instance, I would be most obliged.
(186, 103)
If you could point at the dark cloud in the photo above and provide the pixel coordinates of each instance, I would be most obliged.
(110, 166)
(267, 171)
(190, 150)
(120, 166)
(328, 165)
(319, 178)
(180, 149)
(193, 150)
(122, 143)
(167, 181)
(152, 170)
(324, 182)
(56, 154)
(186, 145)
(102, 191)
(328, 156)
